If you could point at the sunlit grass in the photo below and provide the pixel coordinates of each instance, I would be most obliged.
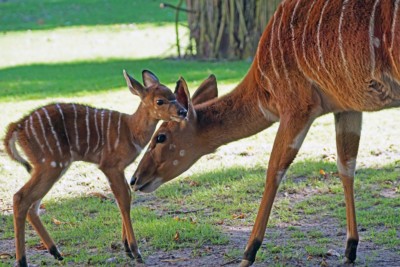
(19, 15)
(75, 52)
(41, 81)
(93, 43)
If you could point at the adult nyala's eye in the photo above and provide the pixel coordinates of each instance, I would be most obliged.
(160, 102)
(161, 138)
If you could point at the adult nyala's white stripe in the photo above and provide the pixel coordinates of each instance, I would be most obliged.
(76, 127)
(320, 53)
(108, 130)
(303, 42)
(285, 71)
(53, 131)
(372, 38)
(395, 11)
(267, 78)
(262, 72)
(393, 32)
(26, 128)
(65, 126)
(35, 134)
(341, 49)
(44, 132)
(293, 41)
(268, 115)
(271, 54)
(102, 127)
(118, 131)
(97, 130)
(87, 131)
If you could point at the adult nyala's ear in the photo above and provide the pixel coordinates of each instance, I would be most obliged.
(134, 86)
(149, 78)
(207, 90)
(183, 97)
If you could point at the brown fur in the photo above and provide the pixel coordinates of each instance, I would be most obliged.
(54, 136)
(314, 57)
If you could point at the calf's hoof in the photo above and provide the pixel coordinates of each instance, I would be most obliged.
(54, 251)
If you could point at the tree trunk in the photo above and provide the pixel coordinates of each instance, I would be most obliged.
(227, 29)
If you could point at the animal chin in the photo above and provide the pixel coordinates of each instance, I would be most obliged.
(150, 186)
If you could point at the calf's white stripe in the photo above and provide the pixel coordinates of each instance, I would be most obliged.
(35, 134)
(97, 130)
(44, 132)
(87, 131)
(53, 131)
(76, 127)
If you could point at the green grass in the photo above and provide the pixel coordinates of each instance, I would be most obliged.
(85, 78)
(91, 227)
(66, 58)
(49, 14)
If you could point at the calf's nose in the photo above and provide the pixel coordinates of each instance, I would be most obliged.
(182, 112)
(133, 180)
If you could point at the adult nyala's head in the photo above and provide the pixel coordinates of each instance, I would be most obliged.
(176, 145)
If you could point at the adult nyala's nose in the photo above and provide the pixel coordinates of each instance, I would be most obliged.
(182, 112)
(133, 180)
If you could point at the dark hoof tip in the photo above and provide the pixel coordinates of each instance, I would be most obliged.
(129, 254)
(53, 251)
(139, 259)
(60, 258)
(22, 262)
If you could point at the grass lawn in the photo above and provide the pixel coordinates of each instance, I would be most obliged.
(74, 51)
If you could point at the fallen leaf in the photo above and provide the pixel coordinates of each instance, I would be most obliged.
(5, 256)
(332, 252)
(40, 246)
(192, 221)
(99, 195)
(193, 183)
(221, 222)
(238, 216)
(322, 172)
(176, 236)
(56, 222)
(309, 257)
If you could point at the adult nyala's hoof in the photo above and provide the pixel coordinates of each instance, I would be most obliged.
(351, 250)
(21, 263)
(139, 259)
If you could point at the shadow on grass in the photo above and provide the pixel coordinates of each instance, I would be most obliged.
(89, 227)
(34, 15)
(80, 78)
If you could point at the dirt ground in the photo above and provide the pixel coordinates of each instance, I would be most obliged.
(369, 254)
